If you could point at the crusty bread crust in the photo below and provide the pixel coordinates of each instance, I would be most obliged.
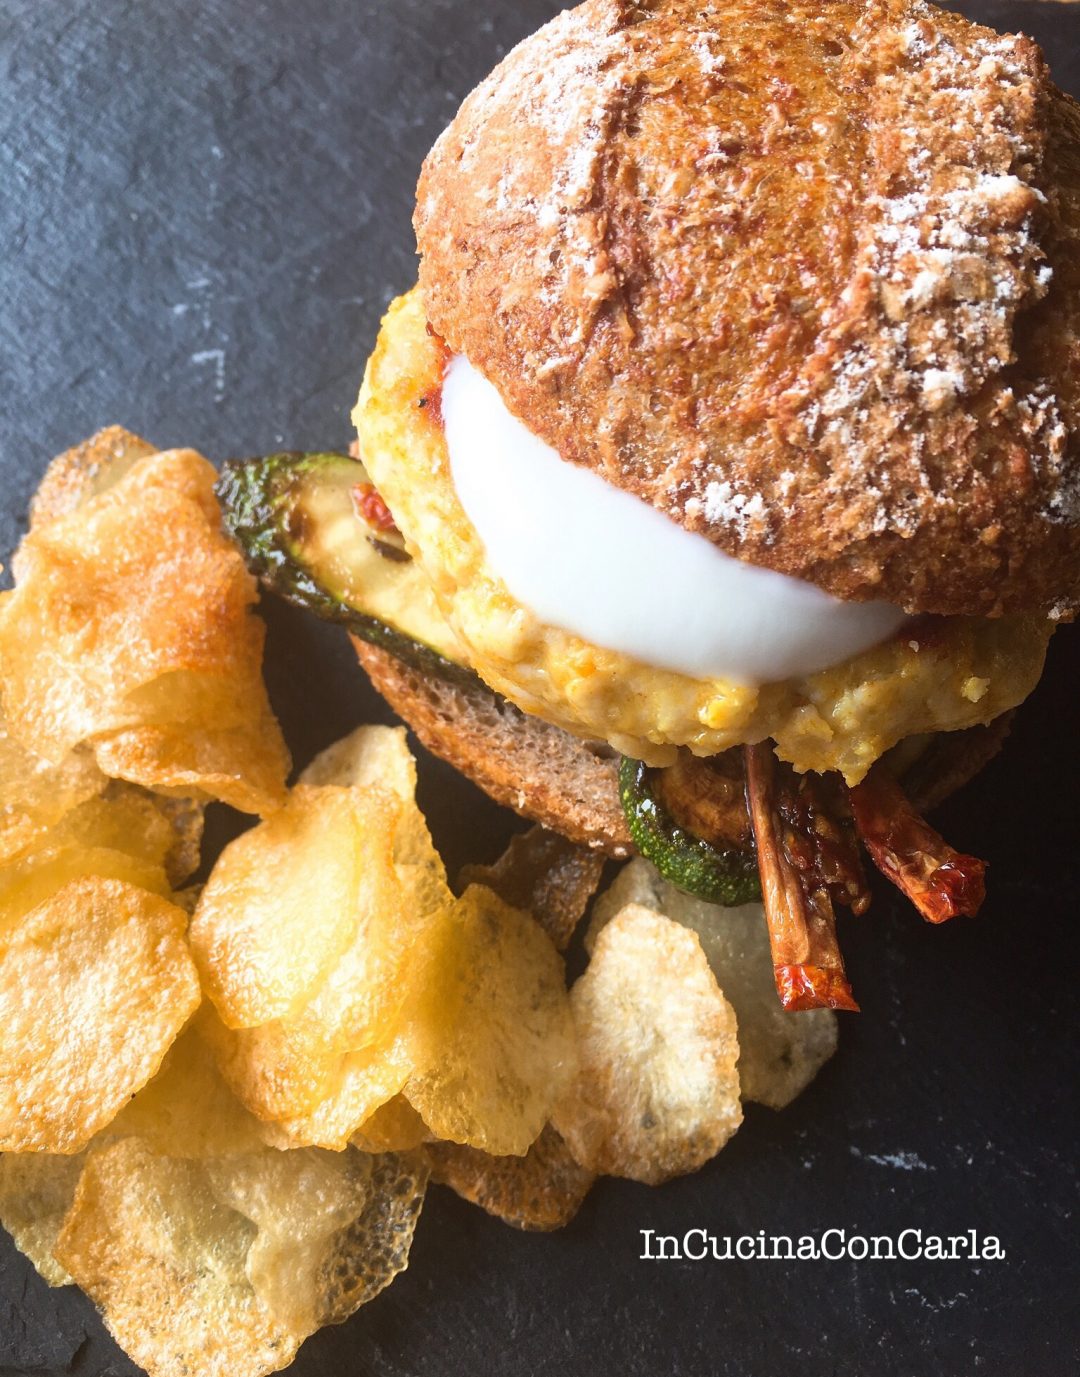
(558, 780)
(804, 275)
(524, 763)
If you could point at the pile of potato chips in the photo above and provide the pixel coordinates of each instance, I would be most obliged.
(343, 974)
(220, 1107)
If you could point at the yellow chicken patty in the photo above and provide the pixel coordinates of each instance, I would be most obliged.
(941, 675)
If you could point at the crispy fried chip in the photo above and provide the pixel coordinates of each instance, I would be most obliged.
(360, 1085)
(34, 879)
(541, 1191)
(287, 898)
(351, 1043)
(86, 469)
(547, 876)
(337, 988)
(223, 1267)
(477, 1033)
(109, 599)
(379, 757)
(95, 985)
(375, 1247)
(495, 1048)
(779, 1053)
(304, 1100)
(104, 813)
(335, 1057)
(165, 833)
(368, 756)
(242, 766)
(187, 1110)
(273, 1078)
(123, 834)
(130, 627)
(394, 1127)
(185, 817)
(124, 818)
(148, 1241)
(657, 1094)
(36, 794)
(36, 1191)
(333, 1228)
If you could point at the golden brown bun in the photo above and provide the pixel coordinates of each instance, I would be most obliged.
(558, 780)
(805, 276)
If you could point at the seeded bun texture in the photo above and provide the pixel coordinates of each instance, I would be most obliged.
(804, 276)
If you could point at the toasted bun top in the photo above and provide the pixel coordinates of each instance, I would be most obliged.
(803, 275)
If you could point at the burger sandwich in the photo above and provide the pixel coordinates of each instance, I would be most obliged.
(717, 489)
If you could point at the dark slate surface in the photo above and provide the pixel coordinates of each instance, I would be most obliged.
(203, 210)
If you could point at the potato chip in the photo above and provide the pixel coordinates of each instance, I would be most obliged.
(85, 470)
(185, 817)
(367, 757)
(149, 1242)
(35, 879)
(379, 757)
(124, 833)
(95, 985)
(779, 1053)
(269, 1074)
(123, 818)
(132, 614)
(549, 877)
(495, 1047)
(109, 600)
(296, 1073)
(241, 766)
(394, 1127)
(286, 899)
(36, 794)
(541, 1191)
(187, 1110)
(657, 1094)
(373, 987)
(314, 1068)
(36, 1191)
(381, 986)
(223, 1267)
(187, 898)
(313, 1098)
(477, 1035)
(375, 1247)
(179, 471)
(166, 833)
(339, 987)
(106, 813)
(362, 1083)
(334, 1229)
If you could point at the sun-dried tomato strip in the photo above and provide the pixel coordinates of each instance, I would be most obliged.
(798, 904)
(822, 834)
(813, 987)
(372, 508)
(939, 881)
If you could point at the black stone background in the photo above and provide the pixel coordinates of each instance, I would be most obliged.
(203, 210)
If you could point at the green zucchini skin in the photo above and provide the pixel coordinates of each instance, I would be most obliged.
(726, 877)
(256, 497)
(259, 503)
